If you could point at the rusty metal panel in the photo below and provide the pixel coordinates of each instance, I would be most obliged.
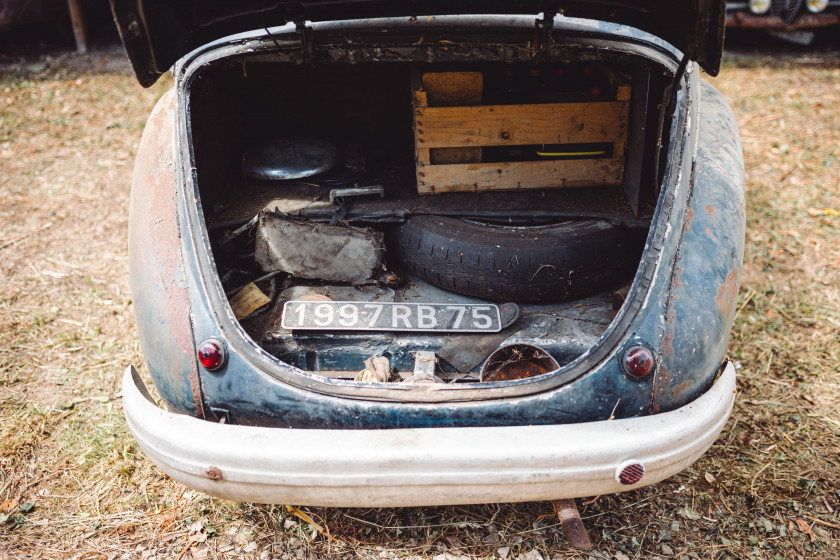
(707, 267)
(156, 268)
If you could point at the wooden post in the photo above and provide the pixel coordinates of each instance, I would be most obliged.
(76, 17)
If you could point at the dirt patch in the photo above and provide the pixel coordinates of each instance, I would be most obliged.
(75, 485)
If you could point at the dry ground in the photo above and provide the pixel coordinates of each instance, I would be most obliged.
(74, 485)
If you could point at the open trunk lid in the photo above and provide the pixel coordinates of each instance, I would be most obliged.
(156, 33)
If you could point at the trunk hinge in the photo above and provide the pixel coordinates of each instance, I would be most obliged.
(669, 100)
(306, 45)
(666, 110)
(542, 30)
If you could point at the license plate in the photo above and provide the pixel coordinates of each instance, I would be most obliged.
(355, 316)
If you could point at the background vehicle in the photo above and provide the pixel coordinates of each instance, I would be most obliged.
(798, 21)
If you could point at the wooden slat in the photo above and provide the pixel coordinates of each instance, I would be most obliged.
(475, 177)
(423, 157)
(454, 89)
(442, 156)
(422, 154)
(451, 89)
(623, 94)
(514, 125)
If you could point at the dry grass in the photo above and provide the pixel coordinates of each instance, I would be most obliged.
(73, 484)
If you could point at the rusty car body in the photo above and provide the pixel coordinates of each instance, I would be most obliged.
(632, 383)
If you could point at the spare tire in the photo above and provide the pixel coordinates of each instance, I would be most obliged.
(538, 264)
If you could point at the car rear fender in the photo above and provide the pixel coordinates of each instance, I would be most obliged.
(707, 269)
(156, 266)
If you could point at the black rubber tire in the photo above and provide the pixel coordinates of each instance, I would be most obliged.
(551, 263)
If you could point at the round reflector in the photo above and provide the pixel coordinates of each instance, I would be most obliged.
(630, 472)
(638, 361)
(211, 354)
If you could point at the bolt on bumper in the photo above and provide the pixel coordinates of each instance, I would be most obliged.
(424, 466)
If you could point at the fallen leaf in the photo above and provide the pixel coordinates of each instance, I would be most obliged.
(823, 212)
(124, 529)
(803, 526)
(9, 505)
(688, 514)
(305, 517)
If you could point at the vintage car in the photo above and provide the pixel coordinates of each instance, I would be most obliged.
(418, 253)
(796, 20)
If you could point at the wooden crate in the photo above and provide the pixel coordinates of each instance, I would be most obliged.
(449, 139)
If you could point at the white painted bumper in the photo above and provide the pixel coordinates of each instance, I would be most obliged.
(422, 467)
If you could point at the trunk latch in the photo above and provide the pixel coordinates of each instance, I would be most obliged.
(542, 31)
(305, 34)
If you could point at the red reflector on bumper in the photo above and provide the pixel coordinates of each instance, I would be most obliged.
(630, 473)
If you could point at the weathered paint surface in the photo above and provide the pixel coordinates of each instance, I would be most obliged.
(701, 305)
(727, 295)
(158, 284)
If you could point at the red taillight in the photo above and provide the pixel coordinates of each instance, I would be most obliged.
(630, 473)
(211, 354)
(638, 361)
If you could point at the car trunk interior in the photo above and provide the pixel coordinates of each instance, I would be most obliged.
(525, 145)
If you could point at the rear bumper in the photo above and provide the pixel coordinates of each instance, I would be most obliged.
(426, 466)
